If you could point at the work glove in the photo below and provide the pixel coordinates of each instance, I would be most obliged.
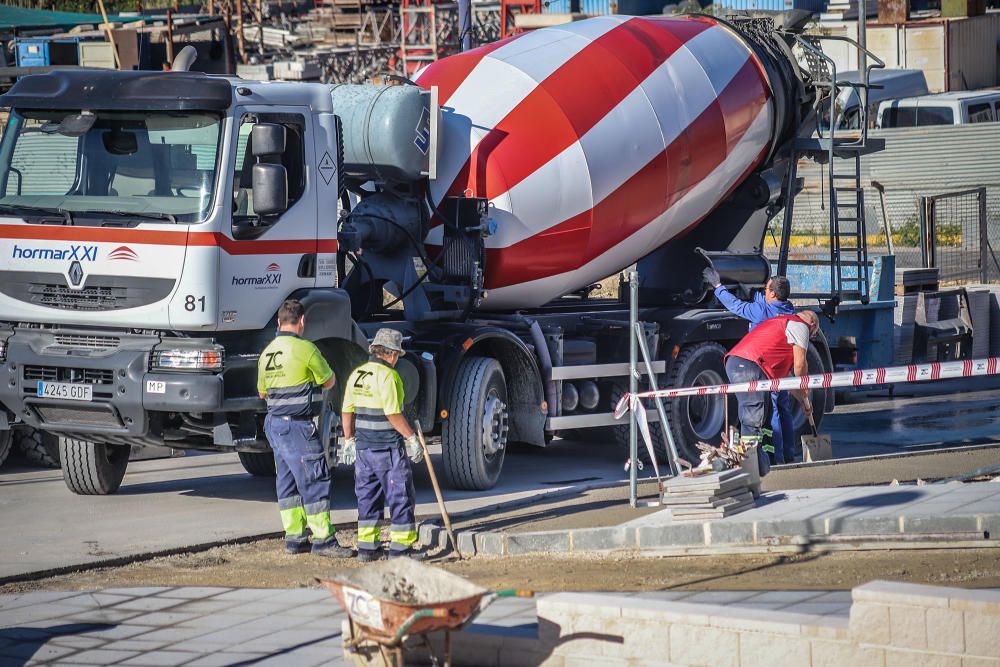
(712, 277)
(414, 451)
(349, 452)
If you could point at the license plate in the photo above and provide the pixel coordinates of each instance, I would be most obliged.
(66, 390)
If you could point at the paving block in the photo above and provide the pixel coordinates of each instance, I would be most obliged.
(36, 653)
(671, 535)
(980, 662)
(102, 656)
(730, 532)
(696, 645)
(897, 658)
(758, 649)
(982, 634)
(489, 543)
(869, 623)
(990, 523)
(467, 543)
(892, 592)
(862, 525)
(945, 631)
(827, 653)
(940, 524)
(986, 601)
(908, 627)
(788, 531)
(603, 539)
(161, 659)
(550, 541)
(193, 592)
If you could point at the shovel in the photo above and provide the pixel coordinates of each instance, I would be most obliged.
(437, 489)
(816, 447)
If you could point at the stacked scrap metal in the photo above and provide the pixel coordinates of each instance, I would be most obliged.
(708, 496)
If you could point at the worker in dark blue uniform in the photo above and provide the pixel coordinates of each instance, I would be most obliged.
(288, 371)
(381, 444)
(772, 302)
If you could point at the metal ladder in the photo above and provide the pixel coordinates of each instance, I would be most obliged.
(849, 278)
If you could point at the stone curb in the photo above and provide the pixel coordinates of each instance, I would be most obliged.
(770, 533)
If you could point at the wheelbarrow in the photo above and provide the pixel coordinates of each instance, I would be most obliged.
(387, 602)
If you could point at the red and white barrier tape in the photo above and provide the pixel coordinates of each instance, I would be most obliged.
(873, 376)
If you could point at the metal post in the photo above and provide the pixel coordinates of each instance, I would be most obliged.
(924, 234)
(984, 255)
(465, 23)
(675, 467)
(633, 387)
(863, 61)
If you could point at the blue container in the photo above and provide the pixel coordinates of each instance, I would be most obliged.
(603, 7)
(40, 52)
(815, 6)
(32, 52)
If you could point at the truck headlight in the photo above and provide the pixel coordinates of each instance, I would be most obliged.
(168, 358)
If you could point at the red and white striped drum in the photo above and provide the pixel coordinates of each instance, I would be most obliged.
(596, 142)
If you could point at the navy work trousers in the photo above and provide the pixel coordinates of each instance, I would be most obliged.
(383, 476)
(754, 408)
(303, 482)
(785, 437)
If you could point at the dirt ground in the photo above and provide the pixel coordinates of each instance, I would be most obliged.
(264, 564)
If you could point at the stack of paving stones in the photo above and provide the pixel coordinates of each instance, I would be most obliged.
(710, 496)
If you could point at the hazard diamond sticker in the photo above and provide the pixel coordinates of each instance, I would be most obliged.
(327, 168)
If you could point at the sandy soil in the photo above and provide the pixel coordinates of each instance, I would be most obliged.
(264, 564)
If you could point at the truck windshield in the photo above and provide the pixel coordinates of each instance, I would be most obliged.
(110, 165)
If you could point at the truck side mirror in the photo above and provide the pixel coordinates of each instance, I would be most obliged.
(270, 189)
(268, 139)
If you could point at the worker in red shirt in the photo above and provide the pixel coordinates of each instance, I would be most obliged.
(774, 347)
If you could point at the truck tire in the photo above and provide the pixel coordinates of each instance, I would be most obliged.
(258, 464)
(474, 437)
(93, 469)
(6, 444)
(38, 447)
(695, 419)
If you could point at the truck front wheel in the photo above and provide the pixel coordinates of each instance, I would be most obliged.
(474, 437)
(258, 464)
(93, 469)
(695, 419)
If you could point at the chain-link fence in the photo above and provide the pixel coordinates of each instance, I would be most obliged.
(966, 225)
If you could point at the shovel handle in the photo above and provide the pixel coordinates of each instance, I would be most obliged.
(812, 424)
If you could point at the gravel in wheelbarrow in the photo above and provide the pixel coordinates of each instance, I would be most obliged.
(392, 599)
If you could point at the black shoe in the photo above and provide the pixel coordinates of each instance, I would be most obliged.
(331, 549)
(411, 553)
(295, 544)
(369, 555)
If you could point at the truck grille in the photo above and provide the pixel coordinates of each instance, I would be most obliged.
(77, 375)
(83, 342)
(99, 293)
(89, 416)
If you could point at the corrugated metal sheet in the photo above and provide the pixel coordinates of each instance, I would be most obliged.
(972, 52)
(916, 162)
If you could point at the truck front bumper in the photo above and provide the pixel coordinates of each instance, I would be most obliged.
(126, 396)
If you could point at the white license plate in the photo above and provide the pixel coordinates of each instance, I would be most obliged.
(66, 390)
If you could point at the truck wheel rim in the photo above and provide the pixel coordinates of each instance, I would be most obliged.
(494, 425)
(707, 414)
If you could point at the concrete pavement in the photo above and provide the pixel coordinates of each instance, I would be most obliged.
(174, 504)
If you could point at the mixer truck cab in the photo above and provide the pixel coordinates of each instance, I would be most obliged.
(151, 224)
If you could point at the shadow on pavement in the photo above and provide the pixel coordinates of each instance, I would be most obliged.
(25, 642)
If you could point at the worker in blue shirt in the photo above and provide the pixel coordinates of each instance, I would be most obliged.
(771, 302)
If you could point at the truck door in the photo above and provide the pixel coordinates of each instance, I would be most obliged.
(271, 256)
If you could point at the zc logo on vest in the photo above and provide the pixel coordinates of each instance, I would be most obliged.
(272, 361)
(358, 383)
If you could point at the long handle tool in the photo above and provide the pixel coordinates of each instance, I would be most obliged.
(437, 489)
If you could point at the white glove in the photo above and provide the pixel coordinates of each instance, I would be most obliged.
(413, 449)
(349, 452)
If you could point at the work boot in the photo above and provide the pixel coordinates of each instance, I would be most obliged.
(331, 549)
(369, 555)
(411, 553)
(296, 544)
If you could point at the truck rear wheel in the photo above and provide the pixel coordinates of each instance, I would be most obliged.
(6, 442)
(474, 437)
(93, 469)
(38, 447)
(695, 419)
(258, 464)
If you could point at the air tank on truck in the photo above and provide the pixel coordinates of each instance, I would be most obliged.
(558, 158)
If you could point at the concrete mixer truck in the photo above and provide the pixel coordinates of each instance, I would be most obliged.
(154, 222)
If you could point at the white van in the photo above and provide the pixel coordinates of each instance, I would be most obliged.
(957, 108)
(891, 85)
